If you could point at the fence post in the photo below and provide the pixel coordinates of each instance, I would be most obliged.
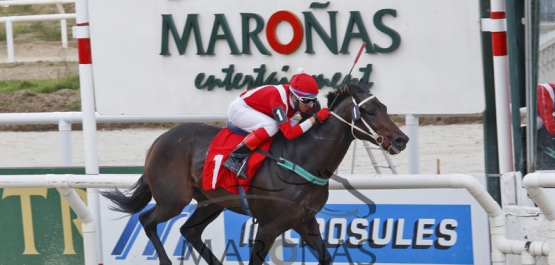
(9, 41)
(82, 34)
(65, 142)
(63, 25)
(413, 148)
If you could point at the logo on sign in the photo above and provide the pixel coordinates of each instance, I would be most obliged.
(128, 238)
(402, 234)
(307, 29)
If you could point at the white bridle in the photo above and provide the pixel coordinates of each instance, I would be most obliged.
(370, 132)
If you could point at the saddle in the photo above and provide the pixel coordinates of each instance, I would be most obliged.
(215, 175)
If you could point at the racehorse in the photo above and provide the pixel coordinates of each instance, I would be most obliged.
(279, 199)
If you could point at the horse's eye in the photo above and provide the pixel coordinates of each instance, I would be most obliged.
(371, 113)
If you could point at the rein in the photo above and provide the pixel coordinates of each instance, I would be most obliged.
(295, 168)
(381, 140)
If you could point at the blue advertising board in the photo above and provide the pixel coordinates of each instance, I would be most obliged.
(405, 234)
(420, 230)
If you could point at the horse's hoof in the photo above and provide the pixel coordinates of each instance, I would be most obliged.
(165, 262)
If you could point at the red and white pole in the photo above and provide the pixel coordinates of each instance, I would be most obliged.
(497, 25)
(91, 236)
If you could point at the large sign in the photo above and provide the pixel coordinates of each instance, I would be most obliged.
(408, 227)
(193, 57)
(38, 227)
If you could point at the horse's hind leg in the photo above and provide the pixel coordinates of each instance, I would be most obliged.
(310, 232)
(265, 237)
(195, 225)
(150, 220)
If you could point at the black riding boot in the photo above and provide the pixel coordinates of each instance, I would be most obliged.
(237, 159)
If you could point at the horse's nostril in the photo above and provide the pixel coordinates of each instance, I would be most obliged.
(401, 140)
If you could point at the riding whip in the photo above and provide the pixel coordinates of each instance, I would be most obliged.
(349, 74)
(356, 60)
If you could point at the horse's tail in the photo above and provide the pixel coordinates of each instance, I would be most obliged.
(130, 204)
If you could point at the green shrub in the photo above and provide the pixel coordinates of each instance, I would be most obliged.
(46, 31)
(29, 93)
(40, 86)
(18, 10)
(74, 106)
(26, 84)
(70, 82)
(17, 28)
(20, 28)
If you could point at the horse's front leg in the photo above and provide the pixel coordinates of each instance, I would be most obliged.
(310, 232)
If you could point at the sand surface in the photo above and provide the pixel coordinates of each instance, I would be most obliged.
(41, 51)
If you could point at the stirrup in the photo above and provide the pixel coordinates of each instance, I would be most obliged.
(241, 173)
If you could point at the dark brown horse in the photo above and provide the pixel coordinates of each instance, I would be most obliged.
(279, 199)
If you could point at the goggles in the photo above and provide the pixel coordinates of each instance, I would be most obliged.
(305, 100)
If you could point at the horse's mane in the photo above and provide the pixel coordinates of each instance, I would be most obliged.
(335, 96)
(340, 93)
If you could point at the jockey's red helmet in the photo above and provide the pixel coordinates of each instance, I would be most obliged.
(304, 85)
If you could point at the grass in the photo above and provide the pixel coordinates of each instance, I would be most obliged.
(25, 32)
(40, 86)
(76, 105)
(33, 31)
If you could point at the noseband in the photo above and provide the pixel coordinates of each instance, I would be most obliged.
(382, 141)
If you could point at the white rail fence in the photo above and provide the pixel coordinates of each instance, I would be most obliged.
(500, 244)
(62, 16)
(65, 119)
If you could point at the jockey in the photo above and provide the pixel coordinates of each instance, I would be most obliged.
(545, 159)
(262, 111)
(546, 107)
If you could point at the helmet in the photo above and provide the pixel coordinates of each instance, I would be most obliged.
(304, 85)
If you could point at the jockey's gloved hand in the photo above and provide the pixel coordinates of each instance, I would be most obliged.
(305, 116)
(322, 115)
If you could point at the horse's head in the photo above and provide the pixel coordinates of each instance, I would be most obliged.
(354, 105)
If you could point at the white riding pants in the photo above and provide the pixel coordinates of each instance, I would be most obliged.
(249, 119)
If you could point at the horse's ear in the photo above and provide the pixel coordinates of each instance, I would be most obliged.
(347, 88)
(364, 85)
(351, 89)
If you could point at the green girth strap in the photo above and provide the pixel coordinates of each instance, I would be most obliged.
(301, 172)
